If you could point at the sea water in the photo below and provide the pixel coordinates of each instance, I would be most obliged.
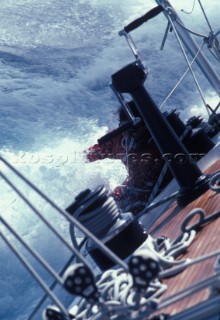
(56, 61)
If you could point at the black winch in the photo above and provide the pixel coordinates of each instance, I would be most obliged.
(100, 215)
(198, 138)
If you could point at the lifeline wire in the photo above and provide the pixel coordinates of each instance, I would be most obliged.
(51, 287)
(71, 219)
(165, 274)
(36, 276)
(42, 261)
(48, 224)
(188, 291)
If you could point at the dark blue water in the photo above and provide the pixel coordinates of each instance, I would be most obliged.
(56, 59)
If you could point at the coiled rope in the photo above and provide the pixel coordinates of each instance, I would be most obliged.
(120, 298)
(116, 286)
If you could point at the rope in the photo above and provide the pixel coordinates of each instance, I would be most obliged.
(155, 190)
(100, 219)
(190, 31)
(117, 291)
(136, 204)
(157, 186)
(127, 143)
(168, 273)
(156, 204)
(191, 10)
(188, 62)
(183, 76)
(170, 250)
(206, 18)
(97, 212)
(189, 68)
(164, 170)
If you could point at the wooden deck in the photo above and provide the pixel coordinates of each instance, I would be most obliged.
(206, 241)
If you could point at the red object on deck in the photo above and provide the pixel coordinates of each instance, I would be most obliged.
(142, 160)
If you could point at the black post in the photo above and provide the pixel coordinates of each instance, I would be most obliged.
(192, 182)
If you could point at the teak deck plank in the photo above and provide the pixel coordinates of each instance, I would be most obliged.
(206, 241)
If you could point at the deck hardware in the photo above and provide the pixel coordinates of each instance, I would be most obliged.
(144, 267)
(79, 280)
(192, 182)
(53, 313)
(201, 221)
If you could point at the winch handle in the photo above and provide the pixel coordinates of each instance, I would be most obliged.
(139, 21)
